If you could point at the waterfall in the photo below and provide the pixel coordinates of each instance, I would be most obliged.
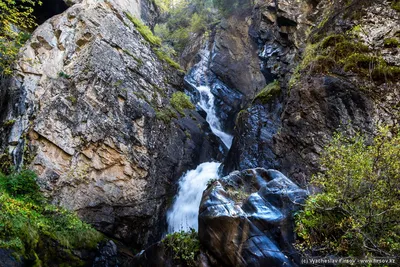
(207, 104)
(184, 212)
(199, 79)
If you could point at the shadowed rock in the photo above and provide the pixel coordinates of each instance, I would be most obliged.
(246, 218)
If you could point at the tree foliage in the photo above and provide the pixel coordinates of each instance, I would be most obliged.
(357, 214)
(184, 19)
(227, 7)
(15, 19)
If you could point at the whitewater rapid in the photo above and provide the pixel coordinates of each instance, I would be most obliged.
(207, 104)
(184, 213)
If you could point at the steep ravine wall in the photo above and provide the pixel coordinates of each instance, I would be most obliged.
(288, 128)
(92, 116)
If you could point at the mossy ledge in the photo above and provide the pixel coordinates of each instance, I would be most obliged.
(345, 53)
(266, 94)
(179, 102)
(154, 41)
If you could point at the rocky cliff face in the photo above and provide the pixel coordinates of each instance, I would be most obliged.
(324, 93)
(235, 60)
(91, 114)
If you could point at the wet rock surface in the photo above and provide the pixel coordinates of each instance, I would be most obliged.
(253, 144)
(8, 260)
(246, 218)
(107, 255)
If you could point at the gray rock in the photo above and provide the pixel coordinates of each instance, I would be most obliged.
(89, 91)
(290, 131)
(246, 218)
(107, 255)
(8, 260)
(235, 59)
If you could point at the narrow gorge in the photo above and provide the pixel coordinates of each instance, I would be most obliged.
(199, 133)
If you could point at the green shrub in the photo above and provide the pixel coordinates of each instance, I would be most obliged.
(227, 7)
(180, 101)
(62, 74)
(183, 20)
(184, 246)
(14, 14)
(357, 214)
(21, 185)
(26, 222)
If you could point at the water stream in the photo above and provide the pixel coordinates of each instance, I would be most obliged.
(184, 212)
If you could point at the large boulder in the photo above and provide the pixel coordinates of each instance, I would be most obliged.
(91, 114)
(246, 218)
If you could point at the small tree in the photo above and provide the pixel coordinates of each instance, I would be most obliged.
(15, 19)
(357, 214)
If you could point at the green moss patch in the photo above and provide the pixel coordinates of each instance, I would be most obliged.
(144, 30)
(396, 5)
(391, 42)
(9, 123)
(155, 41)
(180, 101)
(268, 92)
(346, 53)
(164, 56)
(166, 114)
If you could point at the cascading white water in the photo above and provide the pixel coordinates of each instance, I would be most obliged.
(207, 98)
(184, 213)
(207, 104)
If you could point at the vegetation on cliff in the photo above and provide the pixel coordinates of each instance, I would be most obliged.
(187, 18)
(37, 231)
(15, 19)
(268, 92)
(184, 247)
(357, 214)
(180, 101)
(346, 52)
(154, 41)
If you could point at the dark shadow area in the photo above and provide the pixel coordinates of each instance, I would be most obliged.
(4, 95)
(48, 9)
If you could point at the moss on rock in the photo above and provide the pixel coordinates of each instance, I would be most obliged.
(346, 52)
(268, 92)
(180, 101)
(391, 42)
